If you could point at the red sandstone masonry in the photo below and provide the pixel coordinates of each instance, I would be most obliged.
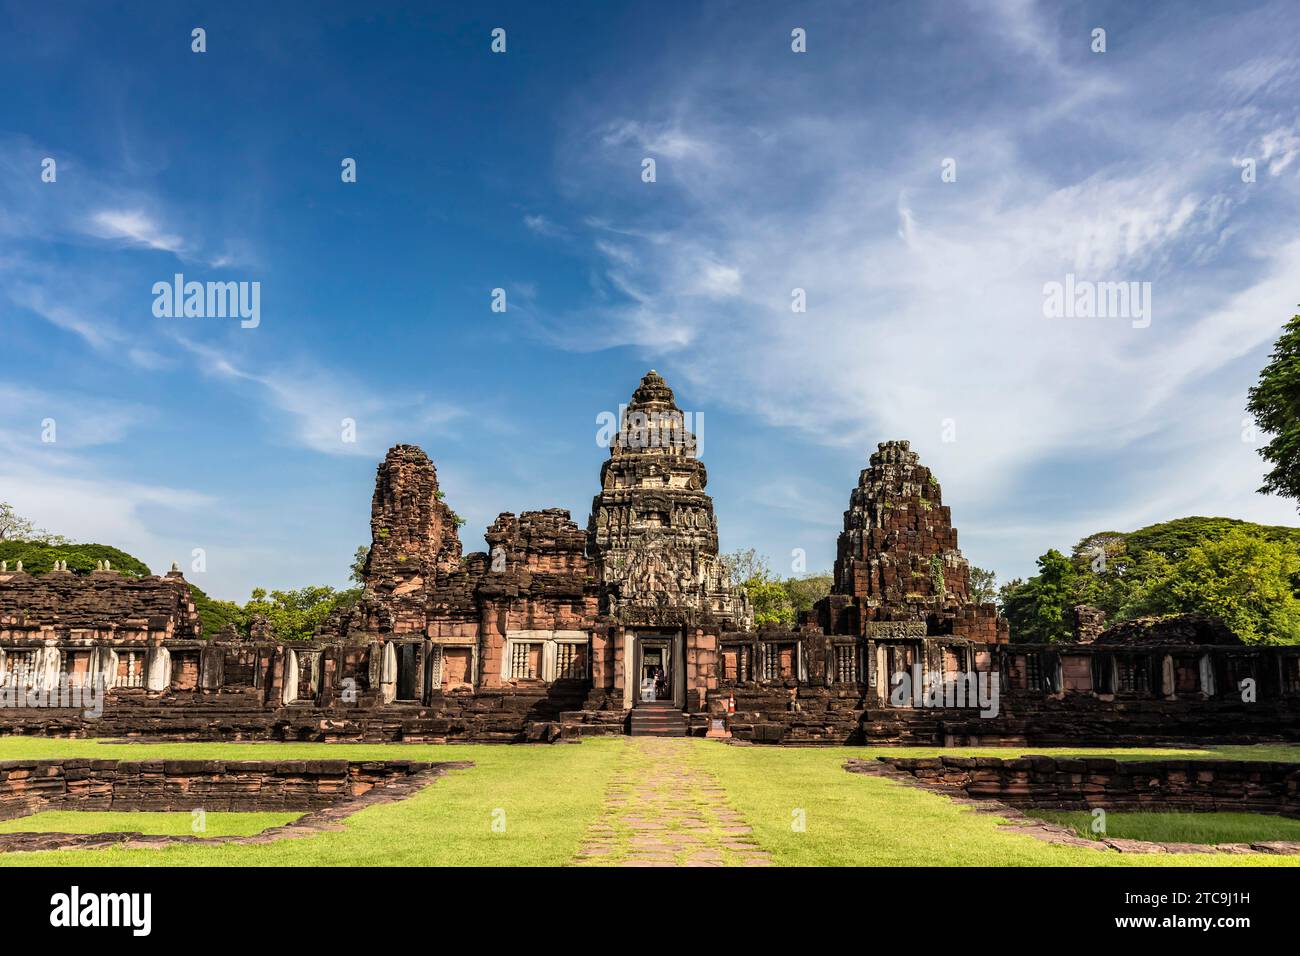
(1116, 785)
(29, 786)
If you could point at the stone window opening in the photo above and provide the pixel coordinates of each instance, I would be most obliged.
(1033, 672)
(525, 660)
(130, 669)
(570, 662)
(846, 664)
(435, 667)
(20, 669)
(1187, 676)
(779, 660)
(1238, 669)
(1291, 675)
(1132, 674)
(1042, 672)
(75, 667)
(736, 663)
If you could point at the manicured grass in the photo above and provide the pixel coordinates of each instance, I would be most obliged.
(162, 824)
(855, 820)
(548, 795)
(1180, 827)
(544, 795)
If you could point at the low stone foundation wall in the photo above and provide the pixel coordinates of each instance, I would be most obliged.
(799, 715)
(1061, 783)
(515, 717)
(813, 715)
(30, 786)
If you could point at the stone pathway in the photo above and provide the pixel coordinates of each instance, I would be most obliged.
(662, 809)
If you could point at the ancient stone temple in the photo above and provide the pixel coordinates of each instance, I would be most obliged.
(654, 540)
(652, 531)
(897, 568)
(629, 626)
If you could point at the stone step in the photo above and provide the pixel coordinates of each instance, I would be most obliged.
(657, 719)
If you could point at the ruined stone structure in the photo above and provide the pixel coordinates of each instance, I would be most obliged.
(631, 625)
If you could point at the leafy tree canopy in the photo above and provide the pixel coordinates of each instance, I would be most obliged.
(38, 557)
(775, 601)
(1247, 574)
(1275, 404)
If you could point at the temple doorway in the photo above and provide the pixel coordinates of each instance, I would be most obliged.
(659, 671)
(408, 669)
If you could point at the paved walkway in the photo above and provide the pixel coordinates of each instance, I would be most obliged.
(662, 809)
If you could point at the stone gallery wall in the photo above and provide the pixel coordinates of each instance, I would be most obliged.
(29, 786)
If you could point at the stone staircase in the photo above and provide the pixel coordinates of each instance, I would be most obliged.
(657, 719)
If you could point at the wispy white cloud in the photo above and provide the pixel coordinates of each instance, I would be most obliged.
(925, 298)
(325, 411)
(134, 227)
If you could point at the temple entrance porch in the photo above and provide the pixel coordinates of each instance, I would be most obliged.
(659, 675)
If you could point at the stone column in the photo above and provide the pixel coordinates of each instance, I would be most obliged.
(548, 660)
(629, 664)
(388, 673)
(1208, 688)
(48, 668)
(289, 677)
(158, 671)
(212, 665)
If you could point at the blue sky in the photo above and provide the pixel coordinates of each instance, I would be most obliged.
(775, 170)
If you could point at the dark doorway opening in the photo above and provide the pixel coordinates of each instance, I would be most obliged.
(408, 663)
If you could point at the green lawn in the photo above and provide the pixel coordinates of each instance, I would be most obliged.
(1180, 827)
(163, 824)
(872, 821)
(547, 795)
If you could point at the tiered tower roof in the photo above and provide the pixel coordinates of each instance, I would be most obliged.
(652, 528)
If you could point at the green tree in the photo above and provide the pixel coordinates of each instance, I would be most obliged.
(1241, 578)
(770, 601)
(215, 614)
(38, 557)
(803, 593)
(1275, 404)
(983, 585)
(295, 615)
(357, 570)
(767, 595)
(1039, 610)
(746, 564)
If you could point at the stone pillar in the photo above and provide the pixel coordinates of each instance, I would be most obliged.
(314, 679)
(107, 666)
(548, 660)
(289, 677)
(1208, 688)
(883, 676)
(629, 665)
(388, 673)
(48, 667)
(212, 666)
(158, 672)
(1167, 686)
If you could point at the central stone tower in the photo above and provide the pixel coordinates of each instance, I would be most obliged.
(897, 561)
(652, 531)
